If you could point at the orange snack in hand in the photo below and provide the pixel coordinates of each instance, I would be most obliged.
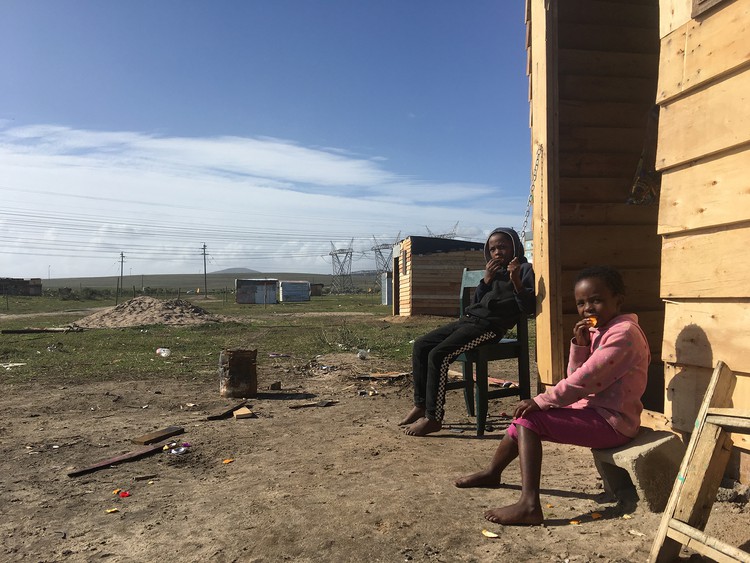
(594, 321)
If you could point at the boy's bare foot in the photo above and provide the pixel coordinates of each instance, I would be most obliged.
(518, 514)
(422, 427)
(413, 416)
(483, 478)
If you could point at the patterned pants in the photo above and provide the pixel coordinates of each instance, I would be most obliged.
(434, 352)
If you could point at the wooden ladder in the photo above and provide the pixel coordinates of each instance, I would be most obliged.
(698, 480)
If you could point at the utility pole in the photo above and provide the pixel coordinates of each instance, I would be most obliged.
(119, 283)
(205, 276)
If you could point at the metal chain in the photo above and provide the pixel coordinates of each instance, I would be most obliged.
(531, 194)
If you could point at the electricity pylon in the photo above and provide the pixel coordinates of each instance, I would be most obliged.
(341, 260)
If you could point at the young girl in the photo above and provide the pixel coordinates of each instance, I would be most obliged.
(597, 406)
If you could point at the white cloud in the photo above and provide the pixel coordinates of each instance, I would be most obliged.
(77, 198)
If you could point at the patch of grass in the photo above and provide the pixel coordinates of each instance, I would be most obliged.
(332, 324)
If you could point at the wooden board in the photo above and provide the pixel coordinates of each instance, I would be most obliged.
(702, 50)
(685, 386)
(129, 456)
(627, 140)
(699, 333)
(705, 193)
(158, 435)
(607, 214)
(544, 108)
(616, 38)
(584, 164)
(621, 246)
(603, 114)
(631, 14)
(594, 190)
(227, 412)
(707, 264)
(607, 63)
(607, 88)
(673, 14)
(714, 118)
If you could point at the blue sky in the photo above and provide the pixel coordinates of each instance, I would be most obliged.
(272, 131)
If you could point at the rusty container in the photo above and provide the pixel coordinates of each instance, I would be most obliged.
(238, 376)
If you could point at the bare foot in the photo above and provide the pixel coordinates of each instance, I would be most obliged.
(415, 414)
(422, 427)
(516, 514)
(484, 478)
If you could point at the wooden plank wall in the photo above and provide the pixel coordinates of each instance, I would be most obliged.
(541, 19)
(431, 283)
(704, 210)
(607, 69)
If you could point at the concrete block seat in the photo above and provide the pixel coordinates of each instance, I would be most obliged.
(648, 464)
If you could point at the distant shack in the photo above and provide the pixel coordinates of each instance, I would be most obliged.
(255, 291)
(427, 274)
(294, 291)
(17, 286)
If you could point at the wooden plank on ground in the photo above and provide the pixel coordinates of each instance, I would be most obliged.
(227, 412)
(244, 412)
(700, 332)
(707, 264)
(158, 435)
(129, 456)
(703, 50)
(705, 193)
(714, 118)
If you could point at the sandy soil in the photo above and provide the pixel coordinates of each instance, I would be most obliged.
(336, 483)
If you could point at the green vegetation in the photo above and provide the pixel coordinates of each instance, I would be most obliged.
(129, 353)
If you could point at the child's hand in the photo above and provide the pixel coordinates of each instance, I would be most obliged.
(493, 267)
(514, 269)
(524, 407)
(581, 332)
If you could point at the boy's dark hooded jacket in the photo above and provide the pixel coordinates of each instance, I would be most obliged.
(498, 303)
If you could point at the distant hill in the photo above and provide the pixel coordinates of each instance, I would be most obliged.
(236, 271)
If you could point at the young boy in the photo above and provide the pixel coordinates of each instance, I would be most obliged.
(506, 290)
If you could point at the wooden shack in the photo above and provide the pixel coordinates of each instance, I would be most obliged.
(427, 274)
(654, 90)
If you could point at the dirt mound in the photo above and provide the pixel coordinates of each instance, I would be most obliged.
(148, 311)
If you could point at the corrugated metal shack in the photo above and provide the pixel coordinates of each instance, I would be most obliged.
(640, 130)
(294, 291)
(255, 291)
(427, 274)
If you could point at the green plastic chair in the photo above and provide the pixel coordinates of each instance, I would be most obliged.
(475, 362)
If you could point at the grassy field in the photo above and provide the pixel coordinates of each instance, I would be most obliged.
(129, 353)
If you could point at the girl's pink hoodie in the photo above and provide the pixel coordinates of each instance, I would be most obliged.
(608, 376)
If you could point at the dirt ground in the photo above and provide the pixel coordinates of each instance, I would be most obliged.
(336, 483)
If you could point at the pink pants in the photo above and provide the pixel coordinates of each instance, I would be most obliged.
(579, 427)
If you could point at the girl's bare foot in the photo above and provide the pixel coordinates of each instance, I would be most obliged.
(516, 514)
(422, 427)
(484, 478)
(413, 416)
